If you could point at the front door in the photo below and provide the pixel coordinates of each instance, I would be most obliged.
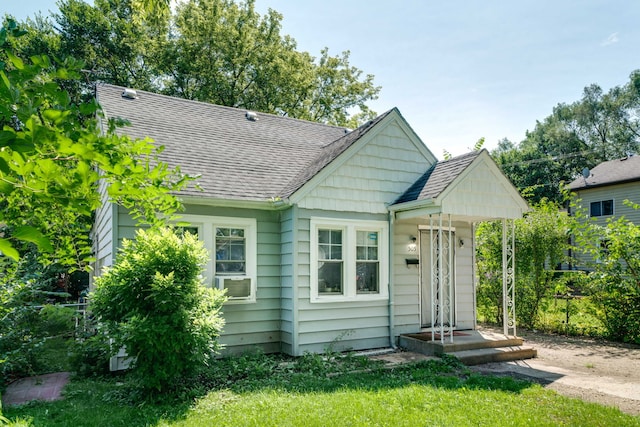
(437, 277)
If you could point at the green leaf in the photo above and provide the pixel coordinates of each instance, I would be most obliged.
(17, 62)
(5, 80)
(7, 249)
(7, 137)
(52, 115)
(31, 234)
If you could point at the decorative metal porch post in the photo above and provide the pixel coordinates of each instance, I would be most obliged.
(508, 277)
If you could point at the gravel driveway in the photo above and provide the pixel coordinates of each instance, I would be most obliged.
(588, 369)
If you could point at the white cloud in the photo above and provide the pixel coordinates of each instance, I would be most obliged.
(613, 38)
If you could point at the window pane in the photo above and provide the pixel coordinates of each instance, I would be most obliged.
(607, 207)
(330, 278)
(367, 277)
(237, 250)
(323, 236)
(228, 267)
(336, 252)
(336, 237)
(595, 209)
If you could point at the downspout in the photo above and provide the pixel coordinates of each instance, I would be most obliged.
(392, 232)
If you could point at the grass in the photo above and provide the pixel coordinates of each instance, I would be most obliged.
(259, 390)
(583, 318)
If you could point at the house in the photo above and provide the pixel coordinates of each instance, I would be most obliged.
(320, 234)
(603, 190)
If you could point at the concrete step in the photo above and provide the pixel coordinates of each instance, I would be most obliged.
(460, 345)
(421, 343)
(496, 354)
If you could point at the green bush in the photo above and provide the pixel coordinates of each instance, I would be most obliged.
(540, 245)
(153, 303)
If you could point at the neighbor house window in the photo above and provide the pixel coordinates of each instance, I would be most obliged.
(232, 245)
(348, 260)
(602, 208)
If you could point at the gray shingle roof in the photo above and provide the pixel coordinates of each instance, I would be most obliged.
(438, 178)
(238, 159)
(611, 172)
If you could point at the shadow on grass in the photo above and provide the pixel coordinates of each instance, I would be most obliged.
(116, 401)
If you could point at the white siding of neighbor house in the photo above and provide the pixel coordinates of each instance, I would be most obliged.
(340, 325)
(248, 325)
(383, 168)
(483, 192)
(618, 193)
(406, 279)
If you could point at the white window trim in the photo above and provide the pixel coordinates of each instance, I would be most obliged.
(206, 233)
(350, 229)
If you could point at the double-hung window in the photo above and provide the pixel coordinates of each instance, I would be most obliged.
(348, 260)
(232, 246)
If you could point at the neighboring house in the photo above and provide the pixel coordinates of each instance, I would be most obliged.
(321, 235)
(603, 190)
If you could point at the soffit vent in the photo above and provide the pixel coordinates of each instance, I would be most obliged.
(130, 94)
(252, 116)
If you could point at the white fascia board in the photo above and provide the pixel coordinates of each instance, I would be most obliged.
(415, 208)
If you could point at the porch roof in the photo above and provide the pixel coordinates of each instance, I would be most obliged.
(470, 187)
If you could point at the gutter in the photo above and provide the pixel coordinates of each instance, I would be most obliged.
(274, 203)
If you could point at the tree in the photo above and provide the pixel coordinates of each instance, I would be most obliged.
(599, 127)
(216, 51)
(51, 150)
(116, 45)
(154, 303)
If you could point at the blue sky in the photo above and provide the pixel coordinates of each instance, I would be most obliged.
(461, 70)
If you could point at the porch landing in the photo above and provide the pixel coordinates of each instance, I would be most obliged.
(471, 347)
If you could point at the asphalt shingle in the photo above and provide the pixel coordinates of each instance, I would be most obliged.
(438, 178)
(611, 172)
(236, 158)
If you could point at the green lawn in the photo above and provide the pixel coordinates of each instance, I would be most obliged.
(310, 391)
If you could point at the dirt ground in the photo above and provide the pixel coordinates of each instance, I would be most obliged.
(588, 369)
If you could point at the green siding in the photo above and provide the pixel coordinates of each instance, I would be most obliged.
(248, 325)
(380, 167)
(353, 325)
(287, 248)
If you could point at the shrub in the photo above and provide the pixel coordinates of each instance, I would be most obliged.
(153, 303)
(541, 244)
